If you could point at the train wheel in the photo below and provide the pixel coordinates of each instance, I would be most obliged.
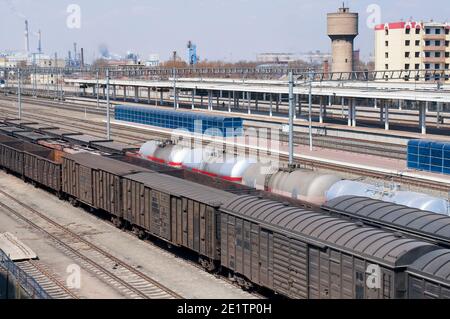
(207, 264)
(73, 202)
(244, 283)
(117, 222)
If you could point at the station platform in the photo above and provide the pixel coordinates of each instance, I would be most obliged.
(15, 249)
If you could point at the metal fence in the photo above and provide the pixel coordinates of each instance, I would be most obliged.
(28, 283)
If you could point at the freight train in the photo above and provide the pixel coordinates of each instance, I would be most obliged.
(293, 251)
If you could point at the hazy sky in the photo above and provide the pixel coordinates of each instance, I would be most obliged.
(222, 29)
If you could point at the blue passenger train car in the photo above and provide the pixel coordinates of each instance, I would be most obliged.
(429, 156)
(171, 119)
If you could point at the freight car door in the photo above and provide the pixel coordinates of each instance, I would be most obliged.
(85, 184)
(155, 213)
(165, 216)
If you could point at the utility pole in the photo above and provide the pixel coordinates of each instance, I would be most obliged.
(97, 88)
(108, 119)
(291, 118)
(311, 76)
(19, 93)
(175, 98)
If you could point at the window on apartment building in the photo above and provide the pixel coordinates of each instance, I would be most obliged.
(417, 66)
(437, 54)
(427, 43)
(386, 55)
(428, 31)
(407, 30)
(437, 66)
(447, 31)
(386, 43)
(407, 54)
(437, 43)
(427, 66)
(447, 43)
(386, 66)
(417, 43)
(407, 43)
(417, 54)
(427, 54)
(417, 31)
(437, 31)
(386, 31)
(406, 66)
(446, 66)
(447, 54)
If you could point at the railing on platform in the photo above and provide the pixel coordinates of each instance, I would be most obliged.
(267, 73)
(28, 283)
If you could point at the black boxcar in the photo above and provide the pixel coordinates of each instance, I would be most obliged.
(179, 211)
(408, 220)
(10, 158)
(429, 276)
(33, 162)
(305, 254)
(96, 181)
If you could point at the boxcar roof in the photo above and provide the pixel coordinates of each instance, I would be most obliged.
(33, 136)
(11, 129)
(180, 187)
(60, 133)
(330, 231)
(84, 139)
(421, 222)
(114, 147)
(38, 127)
(104, 163)
(435, 265)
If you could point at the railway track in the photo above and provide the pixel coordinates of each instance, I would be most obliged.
(126, 279)
(338, 143)
(334, 114)
(436, 186)
(53, 285)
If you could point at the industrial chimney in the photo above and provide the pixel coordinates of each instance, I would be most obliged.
(27, 40)
(342, 29)
(39, 42)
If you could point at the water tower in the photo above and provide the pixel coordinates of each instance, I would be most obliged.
(342, 29)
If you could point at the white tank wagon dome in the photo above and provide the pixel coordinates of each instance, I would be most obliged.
(148, 149)
(420, 201)
(347, 187)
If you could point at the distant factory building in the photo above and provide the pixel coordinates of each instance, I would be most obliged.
(413, 46)
(315, 57)
(47, 78)
(153, 60)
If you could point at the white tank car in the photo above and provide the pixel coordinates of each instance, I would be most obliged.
(303, 185)
(148, 149)
(255, 175)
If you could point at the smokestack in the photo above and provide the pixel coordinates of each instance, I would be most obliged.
(27, 40)
(75, 51)
(39, 42)
(82, 58)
